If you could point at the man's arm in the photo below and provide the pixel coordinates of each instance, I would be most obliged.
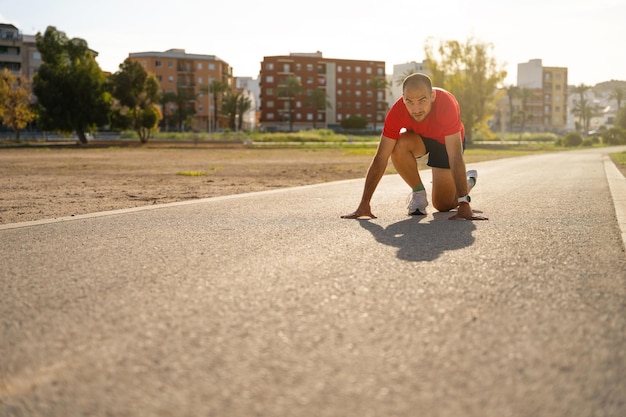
(375, 172)
(454, 147)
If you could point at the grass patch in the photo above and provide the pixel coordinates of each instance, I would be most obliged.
(619, 158)
(192, 173)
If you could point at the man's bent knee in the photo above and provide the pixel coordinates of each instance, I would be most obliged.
(411, 142)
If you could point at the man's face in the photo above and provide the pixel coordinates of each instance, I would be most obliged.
(418, 101)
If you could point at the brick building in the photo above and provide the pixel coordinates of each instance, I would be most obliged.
(18, 52)
(345, 83)
(177, 71)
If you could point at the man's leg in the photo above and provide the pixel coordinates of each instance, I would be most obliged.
(444, 190)
(408, 147)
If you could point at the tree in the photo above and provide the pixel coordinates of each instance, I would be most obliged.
(523, 115)
(512, 92)
(618, 94)
(581, 107)
(244, 104)
(289, 90)
(136, 94)
(229, 108)
(15, 102)
(377, 84)
(471, 73)
(183, 110)
(318, 100)
(215, 89)
(69, 86)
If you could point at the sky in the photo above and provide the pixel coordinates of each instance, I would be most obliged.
(586, 36)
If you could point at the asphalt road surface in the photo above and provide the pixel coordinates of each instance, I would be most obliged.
(269, 304)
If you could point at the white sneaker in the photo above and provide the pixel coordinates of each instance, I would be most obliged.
(417, 202)
(472, 177)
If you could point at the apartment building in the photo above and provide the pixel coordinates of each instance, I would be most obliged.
(18, 52)
(547, 106)
(180, 72)
(345, 83)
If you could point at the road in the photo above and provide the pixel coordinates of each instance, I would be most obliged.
(269, 304)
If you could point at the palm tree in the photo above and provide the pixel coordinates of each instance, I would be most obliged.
(184, 110)
(512, 92)
(377, 84)
(291, 88)
(319, 101)
(244, 104)
(617, 94)
(523, 115)
(214, 88)
(580, 106)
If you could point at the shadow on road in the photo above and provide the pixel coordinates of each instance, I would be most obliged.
(418, 240)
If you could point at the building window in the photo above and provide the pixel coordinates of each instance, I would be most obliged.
(269, 78)
(171, 78)
(348, 68)
(357, 69)
(158, 64)
(309, 117)
(170, 64)
(200, 80)
(270, 104)
(270, 116)
(211, 67)
(357, 93)
(309, 80)
(199, 65)
(269, 66)
(309, 67)
(286, 68)
(381, 72)
(159, 78)
(298, 67)
(368, 70)
(339, 68)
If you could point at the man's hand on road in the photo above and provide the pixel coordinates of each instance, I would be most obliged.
(362, 212)
(464, 212)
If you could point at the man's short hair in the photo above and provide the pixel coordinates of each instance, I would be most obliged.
(417, 79)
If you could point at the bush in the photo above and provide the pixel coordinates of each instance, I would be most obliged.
(354, 122)
(572, 139)
(614, 136)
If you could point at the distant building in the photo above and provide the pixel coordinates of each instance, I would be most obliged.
(177, 71)
(249, 88)
(18, 52)
(345, 83)
(400, 72)
(546, 109)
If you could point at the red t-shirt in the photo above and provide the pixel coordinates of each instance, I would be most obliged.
(444, 119)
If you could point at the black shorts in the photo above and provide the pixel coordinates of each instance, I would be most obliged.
(437, 154)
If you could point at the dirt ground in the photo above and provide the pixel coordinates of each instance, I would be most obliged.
(59, 181)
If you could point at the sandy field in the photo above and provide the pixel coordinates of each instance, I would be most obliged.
(60, 181)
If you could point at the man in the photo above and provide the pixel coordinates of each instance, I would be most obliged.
(425, 120)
